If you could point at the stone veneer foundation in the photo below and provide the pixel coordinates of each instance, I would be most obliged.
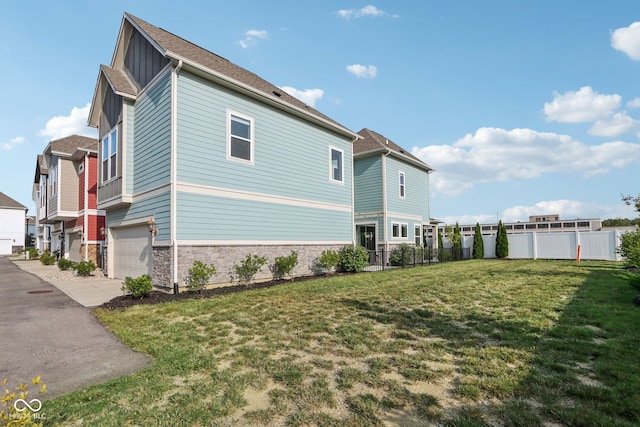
(224, 257)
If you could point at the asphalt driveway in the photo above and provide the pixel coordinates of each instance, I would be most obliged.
(44, 332)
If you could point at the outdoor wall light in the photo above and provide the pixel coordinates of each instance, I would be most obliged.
(102, 231)
(152, 226)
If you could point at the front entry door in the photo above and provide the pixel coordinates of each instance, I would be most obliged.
(368, 237)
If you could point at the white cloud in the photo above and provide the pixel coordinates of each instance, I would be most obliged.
(13, 142)
(363, 71)
(73, 124)
(627, 40)
(368, 10)
(634, 103)
(493, 154)
(251, 37)
(615, 125)
(308, 96)
(585, 105)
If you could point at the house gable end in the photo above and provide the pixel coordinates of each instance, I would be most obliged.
(142, 61)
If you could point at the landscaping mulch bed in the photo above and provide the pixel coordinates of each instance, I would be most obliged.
(157, 297)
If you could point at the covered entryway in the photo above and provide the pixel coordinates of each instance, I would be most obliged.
(75, 247)
(130, 252)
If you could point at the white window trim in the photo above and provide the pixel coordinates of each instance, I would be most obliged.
(252, 131)
(419, 235)
(400, 225)
(109, 155)
(341, 151)
(402, 186)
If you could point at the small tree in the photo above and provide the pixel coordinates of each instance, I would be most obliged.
(502, 242)
(478, 243)
(630, 200)
(630, 247)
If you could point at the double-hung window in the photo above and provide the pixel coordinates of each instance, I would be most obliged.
(240, 144)
(336, 165)
(401, 188)
(110, 155)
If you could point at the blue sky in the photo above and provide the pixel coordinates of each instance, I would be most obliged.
(528, 107)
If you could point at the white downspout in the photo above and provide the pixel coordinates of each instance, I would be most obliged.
(385, 240)
(174, 168)
(86, 205)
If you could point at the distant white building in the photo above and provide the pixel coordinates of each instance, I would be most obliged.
(537, 223)
(12, 225)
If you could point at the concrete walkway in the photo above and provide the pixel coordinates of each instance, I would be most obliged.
(45, 333)
(88, 291)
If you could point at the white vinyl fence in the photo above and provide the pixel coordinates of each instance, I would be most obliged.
(594, 245)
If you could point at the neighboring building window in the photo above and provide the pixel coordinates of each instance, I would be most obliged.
(416, 235)
(53, 180)
(240, 138)
(109, 155)
(402, 189)
(337, 168)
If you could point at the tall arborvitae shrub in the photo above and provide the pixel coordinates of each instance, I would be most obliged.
(456, 242)
(478, 243)
(502, 243)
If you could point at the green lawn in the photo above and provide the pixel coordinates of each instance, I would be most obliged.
(517, 343)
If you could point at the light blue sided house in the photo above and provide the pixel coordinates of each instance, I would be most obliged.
(204, 160)
(391, 194)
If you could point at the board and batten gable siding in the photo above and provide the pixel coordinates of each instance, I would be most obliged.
(111, 112)
(151, 143)
(416, 200)
(368, 184)
(156, 206)
(291, 156)
(68, 186)
(142, 61)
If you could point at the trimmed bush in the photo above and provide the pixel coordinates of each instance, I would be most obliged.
(404, 252)
(65, 264)
(198, 275)
(353, 258)
(139, 287)
(248, 268)
(47, 258)
(328, 260)
(284, 265)
(84, 268)
(33, 253)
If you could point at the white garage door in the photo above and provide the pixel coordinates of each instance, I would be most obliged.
(5, 246)
(75, 247)
(131, 252)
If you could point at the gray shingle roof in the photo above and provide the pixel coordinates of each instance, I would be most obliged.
(177, 48)
(69, 144)
(372, 142)
(8, 202)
